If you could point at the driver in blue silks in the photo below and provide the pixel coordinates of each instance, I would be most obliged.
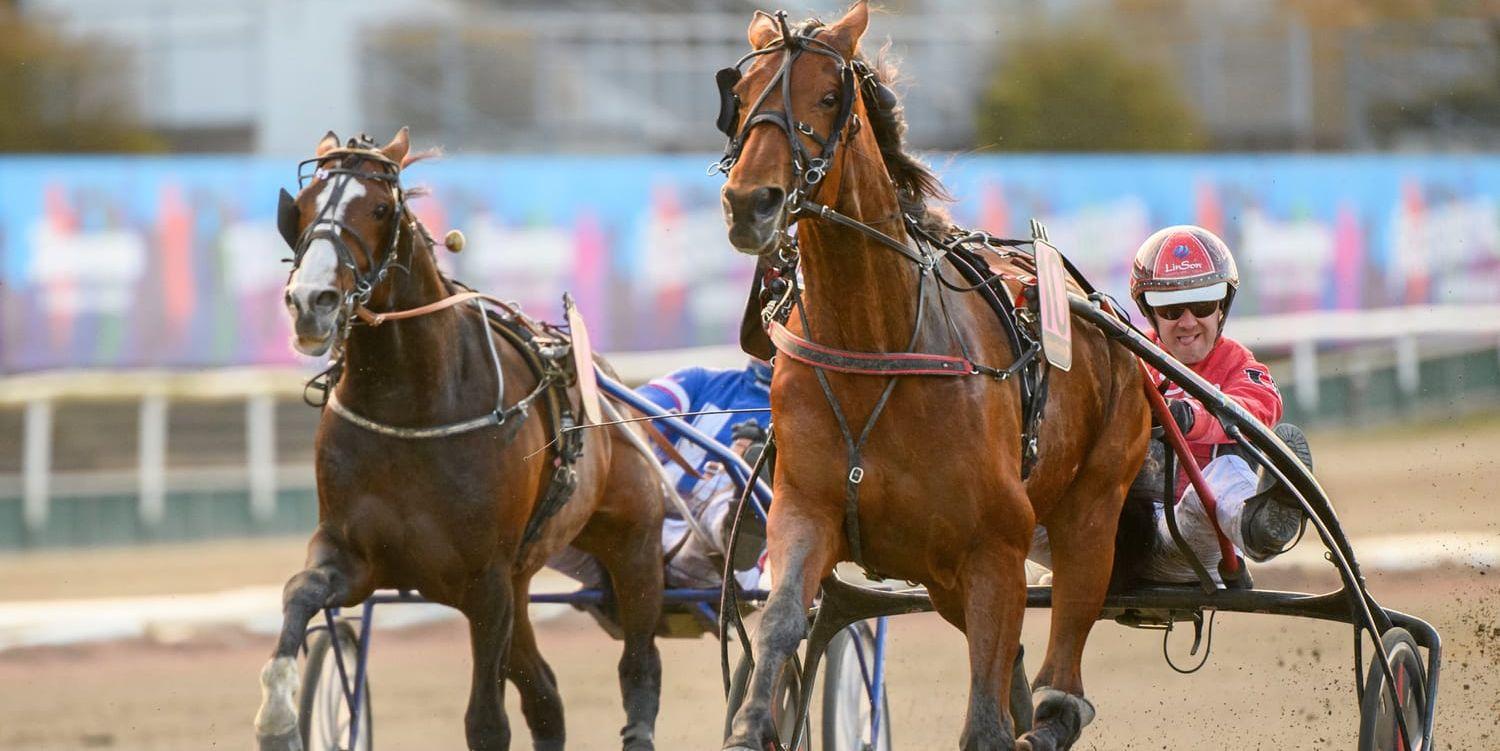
(692, 561)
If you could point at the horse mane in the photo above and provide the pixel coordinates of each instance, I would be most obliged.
(916, 183)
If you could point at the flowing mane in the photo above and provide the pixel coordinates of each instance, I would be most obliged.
(916, 183)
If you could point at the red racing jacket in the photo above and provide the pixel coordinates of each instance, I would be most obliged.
(1232, 368)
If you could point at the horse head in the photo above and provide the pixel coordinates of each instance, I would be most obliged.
(344, 228)
(805, 81)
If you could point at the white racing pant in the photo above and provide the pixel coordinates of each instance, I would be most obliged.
(1232, 481)
(690, 559)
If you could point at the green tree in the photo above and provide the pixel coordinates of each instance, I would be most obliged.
(1079, 92)
(62, 95)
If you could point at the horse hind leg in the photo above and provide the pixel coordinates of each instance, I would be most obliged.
(540, 701)
(490, 609)
(326, 582)
(1083, 544)
(636, 574)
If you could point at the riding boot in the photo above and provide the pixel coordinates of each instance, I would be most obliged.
(1273, 517)
(752, 527)
(1149, 481)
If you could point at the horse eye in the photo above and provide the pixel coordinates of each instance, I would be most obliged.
(830, 99)
(382, 210)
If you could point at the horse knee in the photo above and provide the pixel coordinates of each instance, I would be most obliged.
(783, 626)
(276, 721)
(311, 589)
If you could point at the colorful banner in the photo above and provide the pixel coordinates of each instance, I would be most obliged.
(175, 261)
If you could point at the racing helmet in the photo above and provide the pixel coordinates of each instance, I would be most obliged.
(1180, 264)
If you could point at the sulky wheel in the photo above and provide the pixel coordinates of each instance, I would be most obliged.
(786, 696)
(847, 698)
(1378, 728)
(324, 715)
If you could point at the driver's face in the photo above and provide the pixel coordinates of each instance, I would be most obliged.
(1189, 338)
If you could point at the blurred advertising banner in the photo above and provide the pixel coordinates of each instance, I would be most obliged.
(176, 262)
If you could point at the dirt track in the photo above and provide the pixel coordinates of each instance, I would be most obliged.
(1272, 683)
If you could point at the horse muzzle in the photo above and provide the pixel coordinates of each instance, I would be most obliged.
(755, 218)
(315, 314)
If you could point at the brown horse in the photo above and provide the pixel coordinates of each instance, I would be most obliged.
(415, 492)
(936, 486)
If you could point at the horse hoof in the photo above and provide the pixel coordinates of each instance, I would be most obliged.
(276, 722)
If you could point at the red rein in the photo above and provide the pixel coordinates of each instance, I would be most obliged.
(1231, 562)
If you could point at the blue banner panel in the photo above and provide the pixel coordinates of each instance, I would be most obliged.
(176, 262)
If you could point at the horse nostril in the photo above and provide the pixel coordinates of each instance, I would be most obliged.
(326, 300)
(765, 202)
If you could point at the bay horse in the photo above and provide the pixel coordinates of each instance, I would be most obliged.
(436, 467)
(937, 495)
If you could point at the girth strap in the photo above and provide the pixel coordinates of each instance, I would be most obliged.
(865, 363)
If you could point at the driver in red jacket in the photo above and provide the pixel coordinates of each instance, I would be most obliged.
(1184, 280)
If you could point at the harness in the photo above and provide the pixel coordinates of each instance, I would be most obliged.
(545, 349)
(780, 290)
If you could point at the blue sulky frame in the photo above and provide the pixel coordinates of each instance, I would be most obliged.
(703, 601)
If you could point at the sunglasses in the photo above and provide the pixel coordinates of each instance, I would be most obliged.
(1198, 309)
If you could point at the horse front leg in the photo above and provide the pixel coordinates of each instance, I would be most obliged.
(801, 551)
(327, 581)
(994, 602)
(490, 608)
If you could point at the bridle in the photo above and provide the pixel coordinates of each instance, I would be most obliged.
(352, 308)
(807, 170)
(325, 226)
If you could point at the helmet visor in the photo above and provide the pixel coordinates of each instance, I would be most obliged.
(1179, 296)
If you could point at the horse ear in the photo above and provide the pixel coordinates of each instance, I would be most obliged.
(397, 148)
(844, 35)
(330, 142)
(763, 30)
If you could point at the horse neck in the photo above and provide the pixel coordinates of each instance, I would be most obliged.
(415, 366)
(859, 294)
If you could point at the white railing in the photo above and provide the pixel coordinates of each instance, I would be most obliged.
(1408, 332)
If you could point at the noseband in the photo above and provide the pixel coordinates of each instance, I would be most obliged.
(324, 226)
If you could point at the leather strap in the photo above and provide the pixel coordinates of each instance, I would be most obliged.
(656, 436)
(865, 363)
(375, 319)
